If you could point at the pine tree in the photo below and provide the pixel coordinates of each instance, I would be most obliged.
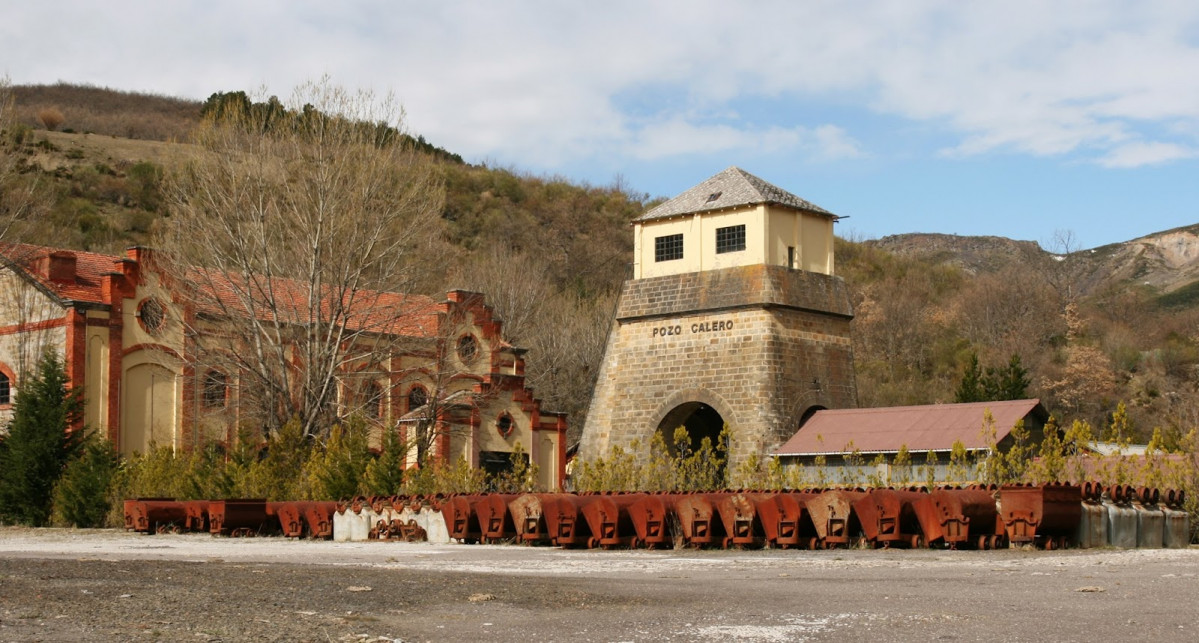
(384, 475)
(1007, 383)
(970, 388)
(40, 442)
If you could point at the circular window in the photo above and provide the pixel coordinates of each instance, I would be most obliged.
(468, 348)
(505, 425)
(152, 315)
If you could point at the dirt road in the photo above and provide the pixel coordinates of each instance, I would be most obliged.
(58, 585)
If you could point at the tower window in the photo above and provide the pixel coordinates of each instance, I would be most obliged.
(730, 239)
(5, 389)
(668, 248)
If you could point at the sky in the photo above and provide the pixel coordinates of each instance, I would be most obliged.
(1013, 118)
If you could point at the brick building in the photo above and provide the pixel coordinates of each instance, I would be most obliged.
(127, 340)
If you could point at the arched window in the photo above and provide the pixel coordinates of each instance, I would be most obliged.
(5, 389)
(216, 388)
(372, 400)
(417, 397)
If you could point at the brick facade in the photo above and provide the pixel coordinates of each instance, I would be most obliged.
(760, 344)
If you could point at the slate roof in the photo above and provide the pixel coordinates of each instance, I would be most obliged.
(920, 428)
(733, 187)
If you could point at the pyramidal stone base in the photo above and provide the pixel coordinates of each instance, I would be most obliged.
(762, 345)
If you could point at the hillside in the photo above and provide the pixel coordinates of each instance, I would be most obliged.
(1166, 263)
(1093, 327)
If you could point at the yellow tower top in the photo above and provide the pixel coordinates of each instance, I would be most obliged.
(733, 219)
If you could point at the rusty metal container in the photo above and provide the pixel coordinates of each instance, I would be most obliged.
(697, 519)
(960, 518)
(528, 517)
(495, 521)
(833, 517)
(318, 515)
(195, 515)
(650, 516)
(1047, 514)
(888, 517)
(154, 515)
(239, 517)
(785, 521)
(291, 519)
(608, 519)
(564, 521)
(461, 522)
(739, 517)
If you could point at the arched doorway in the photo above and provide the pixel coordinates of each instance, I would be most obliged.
(807, 414)
(698, 419)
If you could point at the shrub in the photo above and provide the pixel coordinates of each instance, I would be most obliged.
(384, 476)
(337, 470)
(40, 442)
(50, 117)
(81, 497)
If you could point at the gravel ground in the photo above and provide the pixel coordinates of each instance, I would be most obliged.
(58, 585)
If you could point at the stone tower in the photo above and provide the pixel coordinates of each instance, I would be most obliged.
(733, 316)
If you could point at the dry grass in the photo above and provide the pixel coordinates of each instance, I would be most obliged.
(106, 111)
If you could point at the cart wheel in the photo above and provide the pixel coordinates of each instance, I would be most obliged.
(983, 541)
(917, 541)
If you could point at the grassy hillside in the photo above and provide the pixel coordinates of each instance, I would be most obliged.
(1093, 328)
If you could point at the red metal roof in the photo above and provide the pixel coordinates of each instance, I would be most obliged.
(920, 428)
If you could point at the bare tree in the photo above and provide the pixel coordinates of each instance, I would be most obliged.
(294, 228)
(1064, 270)
(18, 190)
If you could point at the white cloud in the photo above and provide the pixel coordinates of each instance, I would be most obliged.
(545, 82)
(1141, 153)
(679, 137)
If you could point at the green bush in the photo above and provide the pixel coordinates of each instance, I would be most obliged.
(81, 497)
(39, 443)
(337, 470)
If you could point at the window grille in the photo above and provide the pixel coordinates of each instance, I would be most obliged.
(730, 239)
(668, 248)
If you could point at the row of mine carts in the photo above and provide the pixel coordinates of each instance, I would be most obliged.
(1049, 516)
(240, 517)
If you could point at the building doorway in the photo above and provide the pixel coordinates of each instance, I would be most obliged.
(699, 420)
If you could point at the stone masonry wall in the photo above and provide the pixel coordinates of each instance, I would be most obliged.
(759, 344)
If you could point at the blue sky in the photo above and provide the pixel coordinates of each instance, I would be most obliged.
(1012, 118)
